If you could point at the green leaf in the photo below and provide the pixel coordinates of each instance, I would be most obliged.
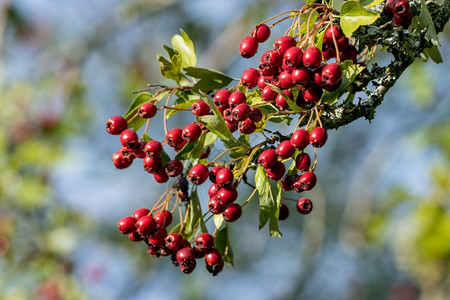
(168, 69)
(195, 216)
(434, 54)
(369, 3)
(354, 15)
(137, 122)
(318, 39)
(217, 125)
(426, 22)
(222, 243)
(312, 20)
(337, 4)
(218, 220)
(291, 103)
(185, 47)
(209, 79)
(273, 224)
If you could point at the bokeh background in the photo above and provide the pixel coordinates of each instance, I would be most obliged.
(380, 228)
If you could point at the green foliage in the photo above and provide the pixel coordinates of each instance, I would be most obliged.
(353, 15)
(222, 243)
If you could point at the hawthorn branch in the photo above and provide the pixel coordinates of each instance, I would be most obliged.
(405, 46)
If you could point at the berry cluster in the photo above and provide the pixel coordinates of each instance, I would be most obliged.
(291, 79)
(400, 11)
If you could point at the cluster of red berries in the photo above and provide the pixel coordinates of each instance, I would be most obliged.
(142, 226)
(400, 11)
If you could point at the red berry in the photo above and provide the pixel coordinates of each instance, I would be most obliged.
(318, 137)
(140, 212)
(152, 164)
(198, 174)
(261, 33)
(145, 225)
(313, 94)
(127, 225)
(232, 126)
(255, 114)
(247, 126)
(156, 239)
(305, 182)
(268, 158)
(139, 150)
(174, 168)
(213, 190)
(300, 139)
(241, 112)
(186, 256)
(303, 162)
(135, 236)
(227, 195)
(292, 58)
(312, 57)
(286, 182)
(335, 31)
(214, 262)
(248, 47)
(271, 59)
(200, 108)
(147, 110)
(284, 212)
(213, 173)
(281, 102)
(236, 98)
(284, 43)
(203, 243)
(331, 74)
(285, 149)
(215, 206)
(174, 241)
(286, 81)
(401, 8)
(161, 176)
(232, 212)
(317, 76)
(276, 171)
(163, 218)
(116, 124)
(403, 20)
(250, 78)
(268, 94)
(301, 75)
(153, 148)
(350, 53)
(221, 98)
(224, 177)
(262, 82)
(304, 206)
(122, 159)
(228, 115)
(174, 137)
(191, 132)
(129, 138)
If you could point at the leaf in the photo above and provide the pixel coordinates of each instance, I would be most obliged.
(369, 3)
(132, 110)
(171, 112)
(426, 22)
(318, 39)
(291, 103)
(222, 243)
(434, 54)
(168, 69)
(185, 47)
(312, 20)
(217, 125)
(337, 4)
(195, 216)
(209, 79)
(218, 220)
(354, 15)
(164, 156)
(195, 149)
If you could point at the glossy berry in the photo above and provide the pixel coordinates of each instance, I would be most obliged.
(232, 212)
(303, 162)
(261, 33)
(276, 172)
(135, 236)
(300, 139)
(285, 149)
(160, 175)
(268, 158)
(267, 94)
(403, 20)
(153, 148)
(301, 75)
(213, 173)
(174, 137)
(173, 241)
(200, 108)
(248, 47)
(163, 218)
(152, 164)
(139, 150)
(145, 225)
(214, 262)
(350, 53)
(318, 137)
(284, 212)
(271, 59)
(262, 82)
(232, 126)
(198, 174)
(331, 74)
(191, 132)
(127, 225)
(186, 256)
(213, 190)
(317, 76)
(284, 43)
(156, 238)
(174, 168)
(312, 57)
(286, 182)
(285, 79)
(227, 195)
(122, 159)
(241, 112)
(203, 243)
(292, 58)
(140, 212)
(304, 206)
(250, 78)
(228, 115)
(255, 114)
(236, 98)
(313, 94)
(116, 124)
(335, 31)
(247, 126)
(129, 138)
(224, 177)
(221, 98)
(305, 182)
(147, 110)
(215, 206)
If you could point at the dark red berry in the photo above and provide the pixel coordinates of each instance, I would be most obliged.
(284, 212)
(248, 47)
(188, 269)
(163, 218)
(221, 98)
(232, 126)
(174, 137)
(191, 132)
(286, 81)
(214, 262)
(152, 164)
(127, 225)
(161, 176)
(267, 94)
(174, 168)
(145, 225)
(147, 110)
(312, 57)
(331, 74)
(318, 137)
(140, 212)
(349, 54)
(241, 112)
(304, 206)
(129, 138)
(292, 58)
(271, 59)
(213, 190)
(303, 162)
(232, 212)
(284, 43)
(186, 256)
(334, 31)
(156, 238)
(116, 124)
(305, 182)
(301, 75)
(139, 150)
(135, 236)
(255, 114)
(285, 149)
(215, 206)
(122, 159)
(403, 20)
(250, 78)
(224, 177)
(261, 33)
(236, 98)
(200, 108)
(203, 243)
(313, 94)
(247, 126)
(228, 115)
(262, 82)
(227, 195)
(281, 102)
(268, 158)
(276, 171)
(286, 182)
(213, 173)
(401, 8)
(174, 241)
(153, 148)
(300, 139)
(198, 174)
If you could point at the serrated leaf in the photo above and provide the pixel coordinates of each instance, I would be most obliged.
(185, 47)
(168, 69)
(426, 22)
(209, 79)
(353, 15)
(222, 243)
(137, 122)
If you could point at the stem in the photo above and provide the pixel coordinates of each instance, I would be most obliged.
(249, 198)
(222, 154)
(165, 110)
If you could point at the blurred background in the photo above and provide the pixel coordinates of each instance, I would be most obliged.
(380, 228)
